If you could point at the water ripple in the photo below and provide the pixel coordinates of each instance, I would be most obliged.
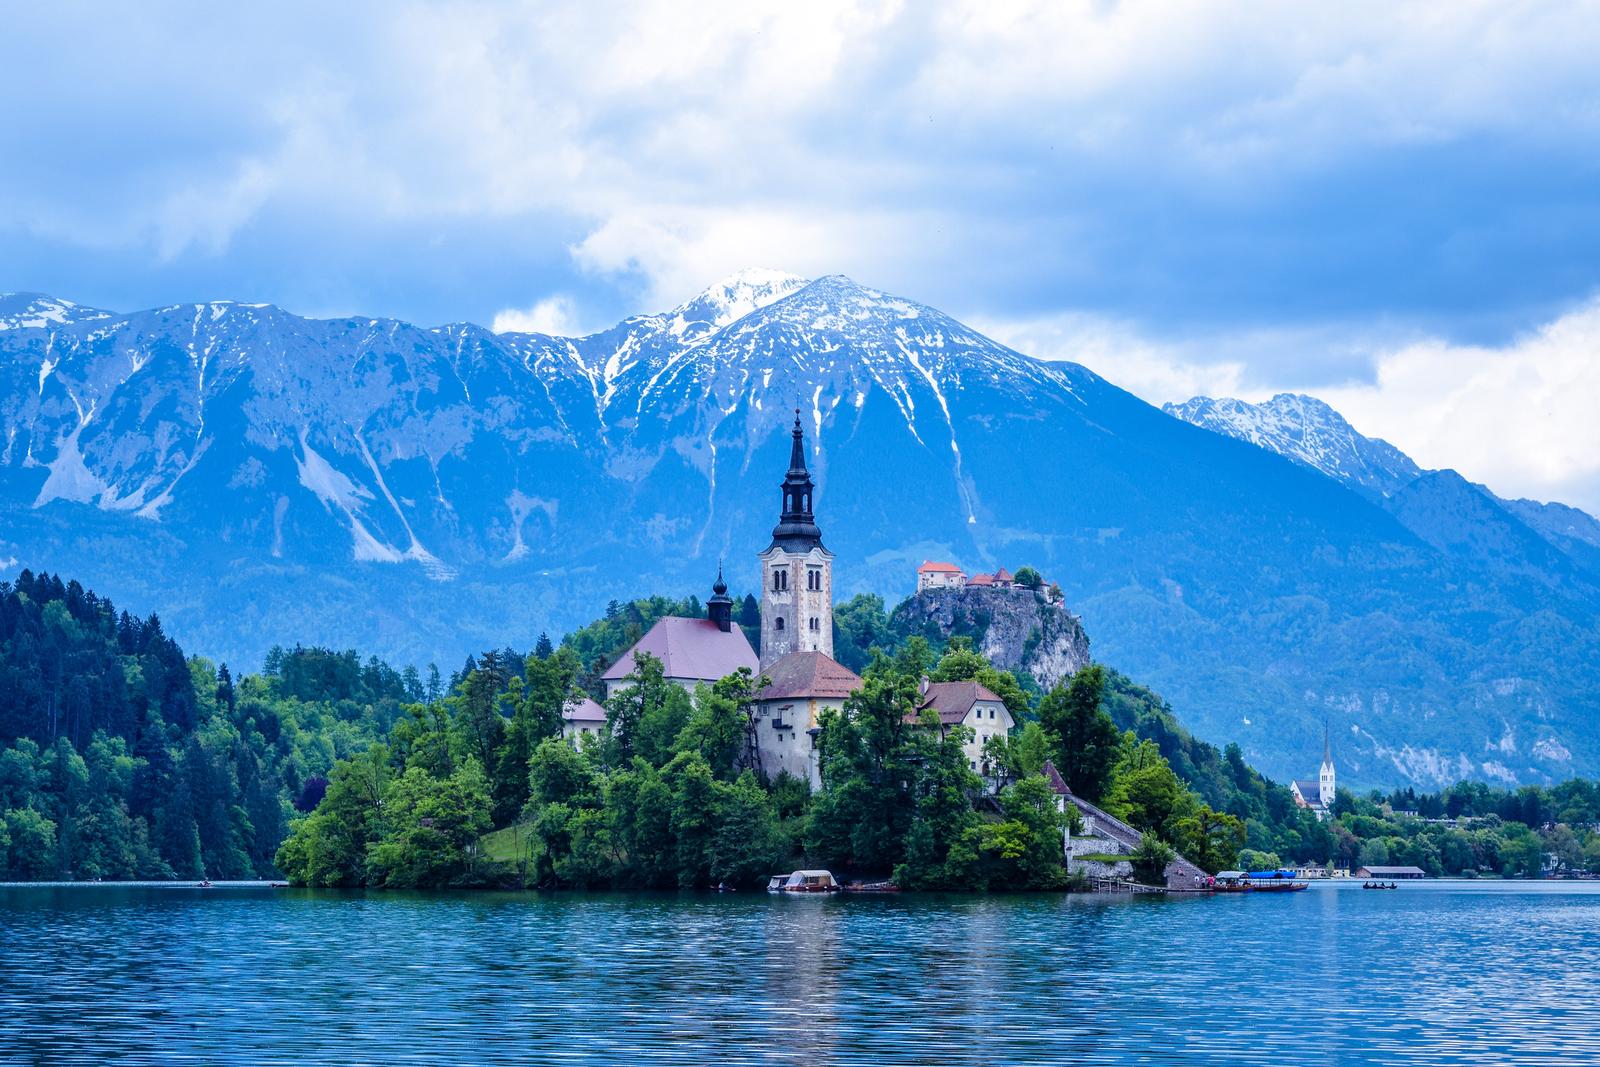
(1438, 974)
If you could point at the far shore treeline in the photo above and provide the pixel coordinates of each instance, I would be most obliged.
(121, 758)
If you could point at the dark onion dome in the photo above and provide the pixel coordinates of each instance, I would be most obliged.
(797, 527)
(719, 609)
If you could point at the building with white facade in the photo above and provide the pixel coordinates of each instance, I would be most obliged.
(934, 574)
(1318, 794)
(802, 685)
(966, 704)
(580, 718)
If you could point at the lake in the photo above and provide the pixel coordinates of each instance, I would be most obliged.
(1432, 973)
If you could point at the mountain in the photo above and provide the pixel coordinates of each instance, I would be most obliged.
(426, 492)
(1308, 431)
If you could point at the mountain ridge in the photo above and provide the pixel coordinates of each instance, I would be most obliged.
(424, 492)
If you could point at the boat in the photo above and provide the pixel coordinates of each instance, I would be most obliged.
(871, 887)
(1279, 881)
(203, 885)
(1380, 885)
(1230, 882)
(807, 882)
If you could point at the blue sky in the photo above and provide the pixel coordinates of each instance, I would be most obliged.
(1392, 205)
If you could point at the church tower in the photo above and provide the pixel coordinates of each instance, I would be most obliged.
(1325, 786)
(796, 571)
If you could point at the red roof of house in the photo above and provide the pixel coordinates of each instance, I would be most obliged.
(1058, 784)
(953, 700)
(695, 649)
(931, 567)
(583, 710)
(1003, 575)
(800, 675)
(981, 579)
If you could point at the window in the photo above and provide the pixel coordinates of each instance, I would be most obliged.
(778, 623)
(816, 626)
(991, 713)
(780, 580)
(814, 578)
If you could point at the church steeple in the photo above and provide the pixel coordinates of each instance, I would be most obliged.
(719, 609)
(797, 526)
(796, 570)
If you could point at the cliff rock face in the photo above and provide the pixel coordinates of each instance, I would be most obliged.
(1016, 629)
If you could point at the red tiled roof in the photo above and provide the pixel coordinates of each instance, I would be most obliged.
(1003, 575)
(931, 567)
(1058, 784)
(981, 579)
(690, 648)
(583, 710)
(809, 674)
(952, 700)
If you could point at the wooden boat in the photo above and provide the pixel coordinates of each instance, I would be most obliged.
(1279, 881)
(1380, 885)
(1230, 882)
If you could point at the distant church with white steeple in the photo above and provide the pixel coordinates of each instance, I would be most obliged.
(1318, 795)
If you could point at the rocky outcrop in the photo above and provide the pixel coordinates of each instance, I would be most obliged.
(1018, 630)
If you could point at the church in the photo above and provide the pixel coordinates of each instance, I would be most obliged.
(796, 642)
(796, 635)
(1317, 794)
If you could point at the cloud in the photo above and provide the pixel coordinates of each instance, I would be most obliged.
(1200, 162)
(1520, 418)
(554, 315)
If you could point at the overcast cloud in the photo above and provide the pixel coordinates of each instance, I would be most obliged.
(1393, 205)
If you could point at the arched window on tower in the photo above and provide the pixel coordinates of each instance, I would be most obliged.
(777, 624)
(780, 580)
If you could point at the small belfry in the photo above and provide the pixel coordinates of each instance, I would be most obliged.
(796, 570)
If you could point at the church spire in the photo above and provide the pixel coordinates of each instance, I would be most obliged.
(797, 451)
(797, 526)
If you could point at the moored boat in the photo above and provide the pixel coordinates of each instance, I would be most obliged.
(807, 882)
(1279, 881)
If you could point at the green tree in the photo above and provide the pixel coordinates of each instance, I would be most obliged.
(1150, 859)
(431, 829)
(1210, 839)
(1085, 739)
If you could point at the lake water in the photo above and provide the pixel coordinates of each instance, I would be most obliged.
(1436, 973)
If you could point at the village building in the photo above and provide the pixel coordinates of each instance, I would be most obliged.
(802, 685)
(966, 704)
(1317, 794)
(937, 575)
(691, 651)
(1389, 873)
(580, 718)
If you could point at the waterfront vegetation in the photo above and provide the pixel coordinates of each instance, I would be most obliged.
(122, 758)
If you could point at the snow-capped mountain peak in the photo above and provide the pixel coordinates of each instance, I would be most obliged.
(732, 299)
(1305, 429)
(36, 311)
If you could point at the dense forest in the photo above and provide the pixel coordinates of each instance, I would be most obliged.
(120, 758)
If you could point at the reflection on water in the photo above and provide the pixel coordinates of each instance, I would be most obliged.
(1432, 974)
